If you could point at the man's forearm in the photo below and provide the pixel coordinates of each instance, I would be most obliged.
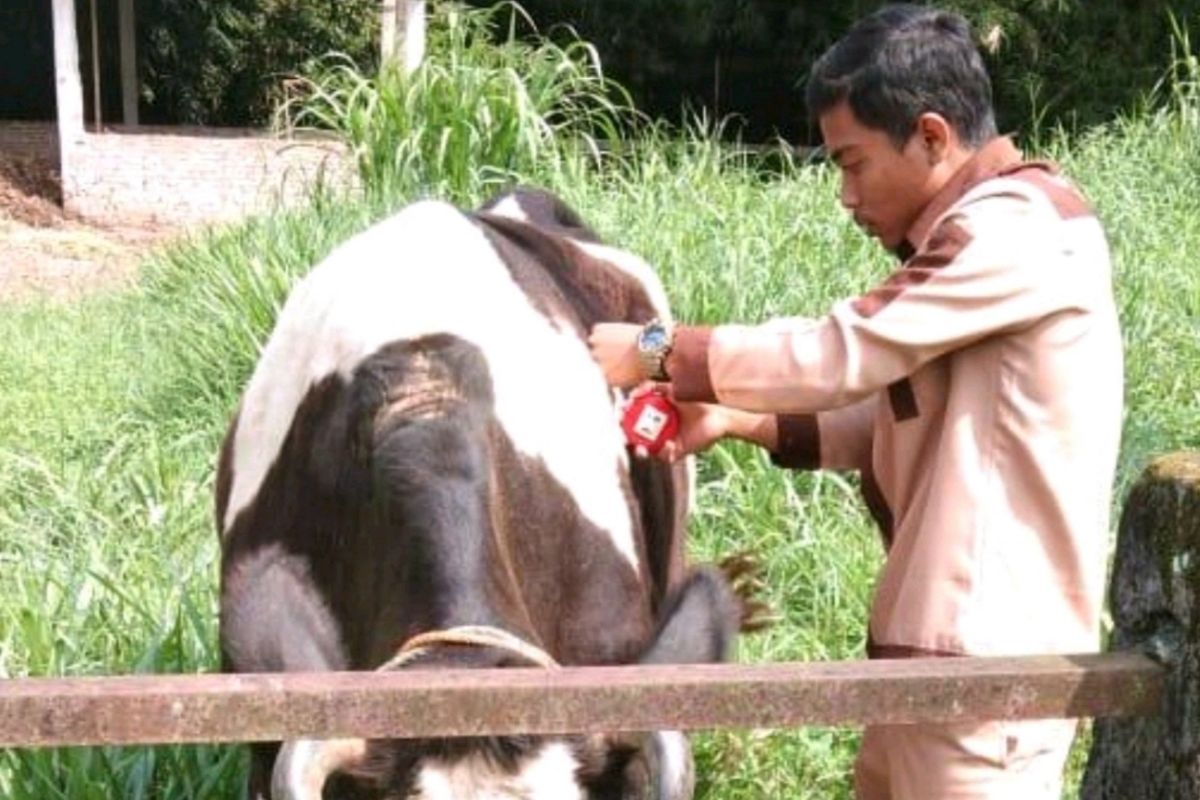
(759, 429)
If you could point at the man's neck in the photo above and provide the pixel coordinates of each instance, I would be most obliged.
(955, 159)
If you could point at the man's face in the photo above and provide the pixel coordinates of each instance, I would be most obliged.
(883, 188)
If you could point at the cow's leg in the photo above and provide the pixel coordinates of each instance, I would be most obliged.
(273, 620)
(262, 754)
(262, 761)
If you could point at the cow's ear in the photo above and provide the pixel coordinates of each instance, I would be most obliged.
(699, 623)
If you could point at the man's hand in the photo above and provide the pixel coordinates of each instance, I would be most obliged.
(701, 425)
(614, 346)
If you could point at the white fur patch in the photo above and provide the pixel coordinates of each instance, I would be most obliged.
(510, 207)
(550, 775)
(426, 270)
(623, 260)
(675, 761)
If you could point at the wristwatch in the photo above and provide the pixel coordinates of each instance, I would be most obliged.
(654, 345)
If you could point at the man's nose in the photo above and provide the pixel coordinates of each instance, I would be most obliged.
(850, 198)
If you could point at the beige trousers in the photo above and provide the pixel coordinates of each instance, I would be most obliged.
(968, 761)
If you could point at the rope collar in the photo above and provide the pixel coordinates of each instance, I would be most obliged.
(470, 636)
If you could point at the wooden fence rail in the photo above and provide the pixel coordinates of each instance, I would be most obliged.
(243, 708)
(1146, 743)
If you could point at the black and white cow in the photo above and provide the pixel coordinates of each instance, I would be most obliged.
(426, 444)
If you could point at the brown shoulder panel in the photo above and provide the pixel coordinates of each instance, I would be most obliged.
(945, 243)
(1063, 195)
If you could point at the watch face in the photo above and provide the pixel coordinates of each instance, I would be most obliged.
(654, 338)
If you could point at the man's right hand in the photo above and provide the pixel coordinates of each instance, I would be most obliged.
(701, 425)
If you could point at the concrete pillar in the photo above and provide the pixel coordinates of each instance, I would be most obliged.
(1155, 603)
(403, 32)
(68, 93)
(129, 87)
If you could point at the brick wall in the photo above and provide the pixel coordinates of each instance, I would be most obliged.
(179, 175)
(193, 175)
(29, 140)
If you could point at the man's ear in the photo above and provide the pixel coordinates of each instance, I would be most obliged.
(936, 135)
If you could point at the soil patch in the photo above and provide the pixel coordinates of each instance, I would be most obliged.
(46, 254)
(30, 191)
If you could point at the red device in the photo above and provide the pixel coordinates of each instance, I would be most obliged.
(649, 421)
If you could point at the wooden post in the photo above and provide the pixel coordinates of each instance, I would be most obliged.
(403, 33)
(129, 88)
(68, 92)
(94, 19)
(1155, 600)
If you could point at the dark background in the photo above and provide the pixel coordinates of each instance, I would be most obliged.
(219, 62)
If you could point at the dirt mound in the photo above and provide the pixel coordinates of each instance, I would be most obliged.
(30, 191)
(45, 253)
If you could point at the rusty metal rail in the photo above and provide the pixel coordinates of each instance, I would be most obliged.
(160, 709)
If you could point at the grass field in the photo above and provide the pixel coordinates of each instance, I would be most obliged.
(111, 410)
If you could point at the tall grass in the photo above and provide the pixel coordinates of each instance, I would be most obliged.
(487, 109)
(106, 563)
(111, 411)
(1137, 171)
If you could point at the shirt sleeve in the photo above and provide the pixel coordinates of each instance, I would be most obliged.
(985, 269)
(838, 439)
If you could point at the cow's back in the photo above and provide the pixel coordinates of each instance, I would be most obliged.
(429, 270)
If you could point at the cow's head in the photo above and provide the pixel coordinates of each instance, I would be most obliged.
(698, 626)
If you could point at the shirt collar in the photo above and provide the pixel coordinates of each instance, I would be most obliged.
(998, 157)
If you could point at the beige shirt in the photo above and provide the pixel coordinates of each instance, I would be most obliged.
(979, 390)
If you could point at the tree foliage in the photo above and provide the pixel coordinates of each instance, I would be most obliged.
(224, 61)
(26, 59)
(209, 62)
(1053, 61)
(1074, 62)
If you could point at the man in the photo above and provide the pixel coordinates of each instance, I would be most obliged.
(978, 389)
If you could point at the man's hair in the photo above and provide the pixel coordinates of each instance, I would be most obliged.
(903, 61)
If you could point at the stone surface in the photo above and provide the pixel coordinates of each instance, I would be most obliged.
(1155, 602)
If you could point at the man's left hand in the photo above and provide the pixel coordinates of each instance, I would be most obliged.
(614, 346)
